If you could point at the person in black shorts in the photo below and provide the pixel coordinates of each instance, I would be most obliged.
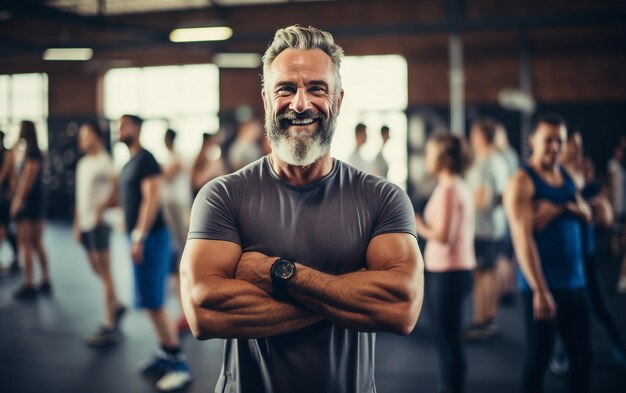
(27, 208)
(95, 191)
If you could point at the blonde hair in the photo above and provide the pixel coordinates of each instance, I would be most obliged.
(298, 37)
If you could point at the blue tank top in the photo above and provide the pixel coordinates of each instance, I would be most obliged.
(560, 243)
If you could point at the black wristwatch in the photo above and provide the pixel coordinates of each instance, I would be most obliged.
(281, 272)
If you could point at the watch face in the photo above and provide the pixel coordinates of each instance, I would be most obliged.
(283, 269)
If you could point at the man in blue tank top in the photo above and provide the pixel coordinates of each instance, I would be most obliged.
(546, 215)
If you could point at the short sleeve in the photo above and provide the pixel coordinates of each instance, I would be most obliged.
(149, 166)
(395, 212)
(213, 215)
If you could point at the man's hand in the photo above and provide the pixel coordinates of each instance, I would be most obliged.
(254, 267)
(544, 306)
(136, 250)
(544, 213)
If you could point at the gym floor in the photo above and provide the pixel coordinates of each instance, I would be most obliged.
(42, 349)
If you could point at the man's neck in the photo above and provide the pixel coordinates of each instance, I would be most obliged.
(134, 148)
(301, 175)
(547, 171)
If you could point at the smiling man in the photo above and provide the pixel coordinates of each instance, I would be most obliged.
(298, 258)
(545, 214)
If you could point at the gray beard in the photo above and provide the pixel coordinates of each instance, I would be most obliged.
(303, 149)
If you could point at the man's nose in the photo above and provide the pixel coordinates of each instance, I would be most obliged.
(300, 101)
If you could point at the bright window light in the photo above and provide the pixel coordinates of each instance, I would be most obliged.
(184, 98)
(196, 34)
(24, 97)
(68, 54)
(237, 60)
(376, 94)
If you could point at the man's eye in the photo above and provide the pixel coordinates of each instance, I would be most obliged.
(285, 90)
(317, 89)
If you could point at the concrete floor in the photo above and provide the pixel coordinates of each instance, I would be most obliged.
(41, 347)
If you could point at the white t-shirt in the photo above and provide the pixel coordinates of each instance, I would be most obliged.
(177, 190)
(93, 187)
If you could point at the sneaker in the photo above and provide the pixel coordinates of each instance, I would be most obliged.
(25, 293)
(476, 332)
(490, 328)
(177, 377)
(118, 314)
(103, 336)
(559, 365)
(158, 364)
(45, 288)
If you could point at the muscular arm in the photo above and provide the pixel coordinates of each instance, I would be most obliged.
(385, 297)
(518, 205)
(218, 305)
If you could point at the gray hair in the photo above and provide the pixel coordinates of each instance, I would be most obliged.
(298, 37)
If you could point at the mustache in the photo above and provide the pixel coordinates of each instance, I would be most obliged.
(293, 115)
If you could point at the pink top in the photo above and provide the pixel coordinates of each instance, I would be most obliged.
(451, 205)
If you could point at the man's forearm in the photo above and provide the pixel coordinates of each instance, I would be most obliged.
(148, 210)
(363, 300)
(528, 259)
(231, 308)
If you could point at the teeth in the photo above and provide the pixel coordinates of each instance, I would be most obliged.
(301, 121)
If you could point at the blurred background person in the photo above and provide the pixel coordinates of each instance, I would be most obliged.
(595, 254)
(95, 191)
(176, 200)
(27, 208)
(379, 165)
(505, 269)
(7, 188)
(546, 212)
(356, 158)
(209, 163)
(140, 194)
(487, 178)
(448, 227)
(246, 148)
(617, 196)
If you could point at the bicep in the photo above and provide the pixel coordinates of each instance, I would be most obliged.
(393, 251)
(150, 186)
(518, 203)
(204, 258)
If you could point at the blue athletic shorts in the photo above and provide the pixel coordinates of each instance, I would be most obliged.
(151, 275)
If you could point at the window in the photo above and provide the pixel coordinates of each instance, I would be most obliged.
(376, 94)
(24, 97)
(184, 98)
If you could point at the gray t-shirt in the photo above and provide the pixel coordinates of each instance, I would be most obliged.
(493, 173)
(326, 225)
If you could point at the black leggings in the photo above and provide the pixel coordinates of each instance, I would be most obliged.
(573, 323)
(445, 293)
(599, 304)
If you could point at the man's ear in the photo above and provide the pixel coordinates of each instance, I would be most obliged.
(264, 99)
(339, 101)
